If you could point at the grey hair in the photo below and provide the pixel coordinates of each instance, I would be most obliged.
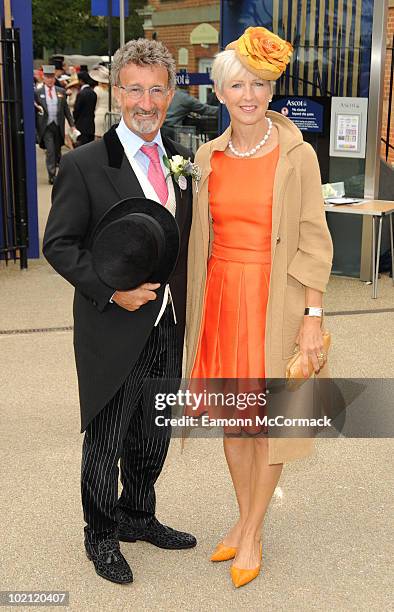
(226, 66)
(143, 52)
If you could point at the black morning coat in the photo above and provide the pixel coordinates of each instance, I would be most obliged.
(107, 338)
(84, 107)
(63, 111)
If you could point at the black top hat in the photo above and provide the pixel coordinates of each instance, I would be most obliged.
(136, 241)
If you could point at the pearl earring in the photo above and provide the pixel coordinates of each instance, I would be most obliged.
(221, 101)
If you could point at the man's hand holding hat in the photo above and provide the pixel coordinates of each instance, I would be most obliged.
(134, 299)
(134, 249)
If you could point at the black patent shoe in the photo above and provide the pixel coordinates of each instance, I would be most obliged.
(155, 533)
(109, 562)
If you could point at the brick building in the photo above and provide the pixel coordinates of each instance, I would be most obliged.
(390, 34)
(190, 30)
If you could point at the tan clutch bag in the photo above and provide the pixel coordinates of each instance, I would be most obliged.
(293, 368)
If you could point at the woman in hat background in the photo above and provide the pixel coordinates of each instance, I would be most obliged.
(260, 245)
(72, 89)
(100, 74)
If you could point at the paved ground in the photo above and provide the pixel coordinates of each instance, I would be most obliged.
(328, 538)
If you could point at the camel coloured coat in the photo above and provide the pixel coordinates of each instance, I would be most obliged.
(301, 256)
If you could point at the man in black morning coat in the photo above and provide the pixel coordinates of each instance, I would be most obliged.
(84, 109)
(122, 337)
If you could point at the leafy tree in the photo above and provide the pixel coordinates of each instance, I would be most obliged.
(69, 24)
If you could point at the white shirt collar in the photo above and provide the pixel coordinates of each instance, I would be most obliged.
(133, 143)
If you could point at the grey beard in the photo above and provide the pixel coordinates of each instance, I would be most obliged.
(144, 126)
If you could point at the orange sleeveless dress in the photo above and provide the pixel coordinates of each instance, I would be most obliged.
(232, 337)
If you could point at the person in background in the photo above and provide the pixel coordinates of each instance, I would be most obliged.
(212, 99)
(37, 76)
(66, 69)
(72, 89)
(182, 104)
(51, 111)
(84, 109)
(59, 73)
(100, 74)
(63, 80)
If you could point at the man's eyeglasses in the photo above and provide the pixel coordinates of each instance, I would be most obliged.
(135, 93)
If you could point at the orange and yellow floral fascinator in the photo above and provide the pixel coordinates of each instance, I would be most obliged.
(263, 53)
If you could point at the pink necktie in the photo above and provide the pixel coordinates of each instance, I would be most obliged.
(155, 172)
(50, 92)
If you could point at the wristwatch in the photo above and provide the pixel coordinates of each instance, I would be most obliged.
(313, 311)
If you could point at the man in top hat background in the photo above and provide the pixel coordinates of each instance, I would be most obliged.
(51, 111)
(84, 109)
(59, 72)
(122, 337)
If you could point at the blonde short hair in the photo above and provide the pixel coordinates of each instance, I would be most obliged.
(226, 66)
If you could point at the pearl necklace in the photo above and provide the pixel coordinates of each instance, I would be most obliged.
(256, 148)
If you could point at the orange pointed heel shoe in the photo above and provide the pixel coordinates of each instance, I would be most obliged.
(240, 577)
(223, 552)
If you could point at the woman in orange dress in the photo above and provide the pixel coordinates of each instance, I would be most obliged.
(241, 194)
(232, 339)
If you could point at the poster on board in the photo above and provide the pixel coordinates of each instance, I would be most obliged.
(348, 128)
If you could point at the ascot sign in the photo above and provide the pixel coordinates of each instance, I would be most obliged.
(305, 113)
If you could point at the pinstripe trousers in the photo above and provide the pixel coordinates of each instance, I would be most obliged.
(120, 433)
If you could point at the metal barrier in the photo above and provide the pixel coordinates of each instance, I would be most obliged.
(207, 127)
(13, 196)
(185, 135)
(204, 128)
(111, 119)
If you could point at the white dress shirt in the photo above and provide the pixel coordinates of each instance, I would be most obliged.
(132, 144)
(51, 104)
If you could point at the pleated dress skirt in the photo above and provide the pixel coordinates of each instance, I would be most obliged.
(232, 335)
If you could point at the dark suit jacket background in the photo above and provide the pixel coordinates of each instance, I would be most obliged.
(63, 112)
(84, 107)
(107, 339)
(182, 104)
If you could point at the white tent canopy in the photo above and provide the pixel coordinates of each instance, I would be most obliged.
(89, 60)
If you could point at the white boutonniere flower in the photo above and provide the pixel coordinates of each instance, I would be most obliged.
(180, 168)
